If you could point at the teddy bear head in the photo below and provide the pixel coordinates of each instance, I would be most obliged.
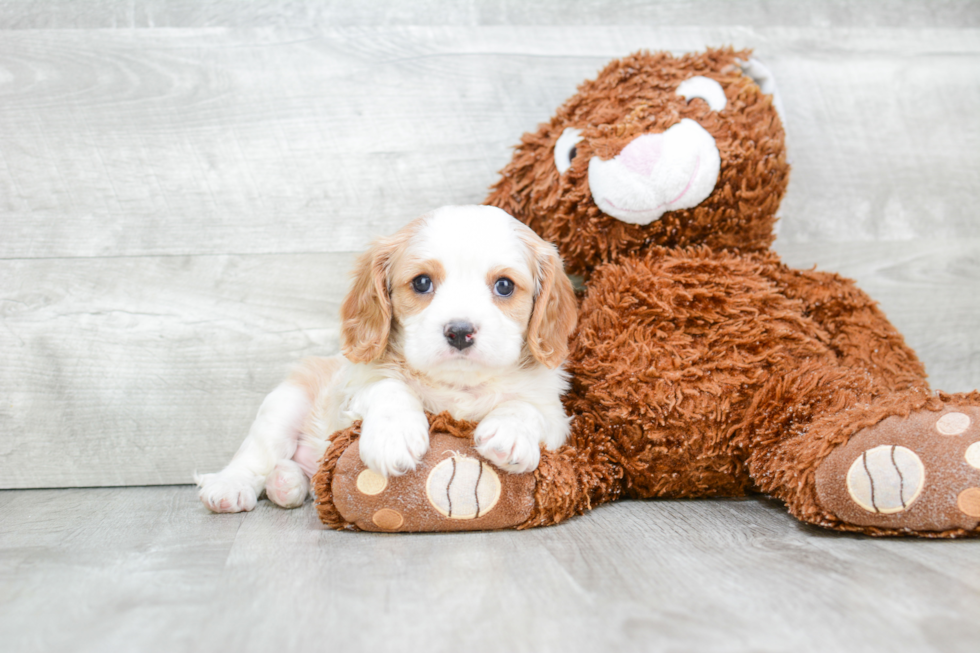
(656, 151)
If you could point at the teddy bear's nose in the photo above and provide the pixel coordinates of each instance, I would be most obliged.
(656, 173)
(643, 153)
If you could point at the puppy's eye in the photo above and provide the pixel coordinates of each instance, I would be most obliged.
(565, 149)
(422, 284)
(504, 287)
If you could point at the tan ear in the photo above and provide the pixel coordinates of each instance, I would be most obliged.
(366, 312)
(555, 310)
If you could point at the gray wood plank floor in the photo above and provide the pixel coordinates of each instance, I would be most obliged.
(148, 569)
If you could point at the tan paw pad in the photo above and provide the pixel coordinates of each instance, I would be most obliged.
(973, 455)
(462, 487)
(953, 423)
(969, 501)
(886, 479)
(371, 483)
(388, 519)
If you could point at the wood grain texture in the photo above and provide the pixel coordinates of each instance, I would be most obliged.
(171, 200)
(149, 569)
(126, 14)
(215, 141)
(140, 370)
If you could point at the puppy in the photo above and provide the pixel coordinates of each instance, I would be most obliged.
(464, 310)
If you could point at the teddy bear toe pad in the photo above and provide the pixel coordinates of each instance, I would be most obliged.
(917, 473)
(453, 489)
(461, 487)
(886, 479)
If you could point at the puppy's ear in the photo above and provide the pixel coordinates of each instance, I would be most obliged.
(366, 311)
(555, 309)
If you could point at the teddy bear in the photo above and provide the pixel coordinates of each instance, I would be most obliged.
(702, 366)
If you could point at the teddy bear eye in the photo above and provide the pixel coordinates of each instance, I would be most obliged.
(565, 148)
(707, 89)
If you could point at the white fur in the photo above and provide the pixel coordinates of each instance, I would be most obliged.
(272, 438)
(518, 405)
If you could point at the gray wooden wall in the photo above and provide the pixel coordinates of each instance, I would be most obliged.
(183, 184)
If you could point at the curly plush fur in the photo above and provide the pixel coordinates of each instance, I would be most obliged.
(633, 96)
(703, 366)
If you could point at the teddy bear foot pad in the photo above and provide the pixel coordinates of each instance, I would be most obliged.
(453, 489)
(919, 473)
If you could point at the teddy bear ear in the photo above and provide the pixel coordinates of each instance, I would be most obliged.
(761, 75)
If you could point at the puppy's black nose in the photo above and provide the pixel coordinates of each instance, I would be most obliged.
(460, 334)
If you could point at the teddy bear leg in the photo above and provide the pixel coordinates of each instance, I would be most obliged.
(455, 489)
(844, 454)
(857, 330)
(914, 472)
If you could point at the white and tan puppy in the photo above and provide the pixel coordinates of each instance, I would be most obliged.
(464, 310)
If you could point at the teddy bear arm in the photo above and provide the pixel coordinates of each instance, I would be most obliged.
(455, 489)
(859, 332)
(583, 474)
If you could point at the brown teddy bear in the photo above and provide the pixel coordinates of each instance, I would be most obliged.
(702, 366)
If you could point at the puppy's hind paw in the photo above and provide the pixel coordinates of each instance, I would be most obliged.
(228, 492)
(287, 486)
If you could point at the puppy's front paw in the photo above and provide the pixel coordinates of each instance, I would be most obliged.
(228, 491)
(392, 444)
(509, 443)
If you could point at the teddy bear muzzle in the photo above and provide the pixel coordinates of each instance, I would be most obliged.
(656, 173)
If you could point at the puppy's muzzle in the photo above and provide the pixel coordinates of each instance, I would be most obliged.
(460, 334)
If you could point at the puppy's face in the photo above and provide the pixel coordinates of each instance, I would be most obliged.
(463, 288)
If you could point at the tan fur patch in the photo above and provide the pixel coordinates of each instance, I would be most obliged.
(314, 374)
(405, 301)
(519, 304)
(555, 311)
(366, 313)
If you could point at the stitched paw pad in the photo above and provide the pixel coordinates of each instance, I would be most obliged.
(917, 473)
(452, 489)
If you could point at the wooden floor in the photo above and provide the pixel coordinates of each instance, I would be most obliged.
(148, 569)
(183, 184)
